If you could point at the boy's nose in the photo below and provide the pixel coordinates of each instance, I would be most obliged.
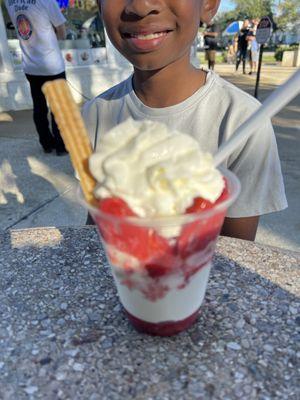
(142, 8)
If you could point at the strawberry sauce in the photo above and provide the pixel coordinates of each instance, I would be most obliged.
(166, 328)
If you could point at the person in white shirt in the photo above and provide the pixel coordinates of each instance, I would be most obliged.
(39, 25)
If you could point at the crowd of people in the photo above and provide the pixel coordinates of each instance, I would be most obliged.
(241, 48)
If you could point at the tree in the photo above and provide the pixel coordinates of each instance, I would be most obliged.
(254, 8)
(225, 18)
(288, 13)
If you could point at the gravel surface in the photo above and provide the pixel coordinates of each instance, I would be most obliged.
(63, 334)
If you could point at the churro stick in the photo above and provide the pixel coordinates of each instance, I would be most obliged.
(73, 132)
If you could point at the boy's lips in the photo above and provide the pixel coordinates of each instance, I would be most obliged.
(146, 40)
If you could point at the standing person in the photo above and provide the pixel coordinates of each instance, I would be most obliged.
(156, 37)
(254, 47)
(39, 25)
(230, 52)
(242, 45)
(254, 51)
(210, 45)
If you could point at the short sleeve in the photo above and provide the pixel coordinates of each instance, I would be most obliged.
(55, 15)
(258, 168)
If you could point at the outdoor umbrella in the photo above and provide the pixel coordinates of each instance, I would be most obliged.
(63, 3)
(233, 28)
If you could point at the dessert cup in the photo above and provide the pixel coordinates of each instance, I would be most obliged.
(161, 265)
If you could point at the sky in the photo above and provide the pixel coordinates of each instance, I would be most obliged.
(226, 5)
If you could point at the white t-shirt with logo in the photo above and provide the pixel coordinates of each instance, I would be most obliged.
(34, 21)
(211, 115)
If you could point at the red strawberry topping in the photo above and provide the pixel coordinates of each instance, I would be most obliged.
(201, 204)
(196, 235)
(138, 241)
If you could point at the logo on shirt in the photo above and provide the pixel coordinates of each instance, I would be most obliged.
(24, 27)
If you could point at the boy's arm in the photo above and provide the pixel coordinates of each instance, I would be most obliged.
(241, 228)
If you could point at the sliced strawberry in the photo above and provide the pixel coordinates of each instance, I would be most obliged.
(140, 242)
(115, 206)
(164, 264)
(196, 235)
(201, 204)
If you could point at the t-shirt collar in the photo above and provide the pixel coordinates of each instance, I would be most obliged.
(143, 109)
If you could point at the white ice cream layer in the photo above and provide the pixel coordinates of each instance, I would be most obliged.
(176, 305)
(158, 172)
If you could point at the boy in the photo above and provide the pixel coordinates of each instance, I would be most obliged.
(156, 36)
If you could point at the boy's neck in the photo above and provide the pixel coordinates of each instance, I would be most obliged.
(168, 86)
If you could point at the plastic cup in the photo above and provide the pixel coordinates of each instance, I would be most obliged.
(161, 266)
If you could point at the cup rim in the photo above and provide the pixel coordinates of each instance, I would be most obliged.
(234, 190)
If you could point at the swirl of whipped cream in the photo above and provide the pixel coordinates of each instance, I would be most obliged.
(158, 172)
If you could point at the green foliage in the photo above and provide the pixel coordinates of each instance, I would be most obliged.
(280, 49)
(245, 9)
(225, 18)
(253, 8)
(284, 12)
(288, 13)
(224, 56)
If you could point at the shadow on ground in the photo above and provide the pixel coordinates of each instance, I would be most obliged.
(35, 188)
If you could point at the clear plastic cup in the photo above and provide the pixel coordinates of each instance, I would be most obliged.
(161, 266)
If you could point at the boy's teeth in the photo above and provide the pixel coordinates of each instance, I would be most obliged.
(149, 36)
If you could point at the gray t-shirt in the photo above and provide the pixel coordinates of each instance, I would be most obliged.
(211, 115)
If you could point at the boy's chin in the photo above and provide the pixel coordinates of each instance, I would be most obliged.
(149, 66)
(145, 65)
(152, 63)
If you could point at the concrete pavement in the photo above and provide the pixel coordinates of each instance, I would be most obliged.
(38, 189)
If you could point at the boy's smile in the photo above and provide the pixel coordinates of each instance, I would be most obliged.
(152, 34)
(146, 40)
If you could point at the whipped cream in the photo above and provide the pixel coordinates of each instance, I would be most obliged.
(158, 172)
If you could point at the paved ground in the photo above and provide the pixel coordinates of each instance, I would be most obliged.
(279, 229)
(39, 190)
